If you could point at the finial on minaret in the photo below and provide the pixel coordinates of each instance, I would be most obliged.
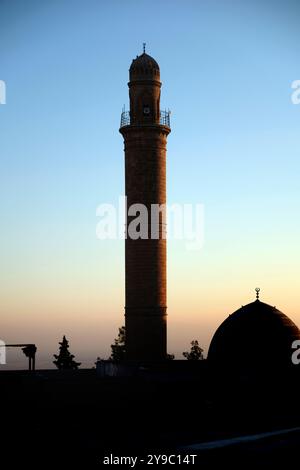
(144, 47)
(257, 290)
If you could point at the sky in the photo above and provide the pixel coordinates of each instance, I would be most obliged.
(227, 68)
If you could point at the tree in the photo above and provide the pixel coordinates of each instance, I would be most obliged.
(65, 360)
(170, 357)
(118, 348)
(195, 354)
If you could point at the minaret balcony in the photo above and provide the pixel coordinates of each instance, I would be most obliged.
(164, 118)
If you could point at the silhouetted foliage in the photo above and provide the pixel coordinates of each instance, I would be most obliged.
(170, 357)
(118, 348)
(65, 360)
(195, 354)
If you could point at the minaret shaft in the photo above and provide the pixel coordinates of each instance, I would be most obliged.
(145, 141)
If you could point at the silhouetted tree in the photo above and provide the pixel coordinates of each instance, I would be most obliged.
(65, 360)
(118, 348)
(170, 357)
(195, 354)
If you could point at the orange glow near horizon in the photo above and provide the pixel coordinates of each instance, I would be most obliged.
(89, 310)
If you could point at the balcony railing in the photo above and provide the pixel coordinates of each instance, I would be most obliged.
(164, 118)
(125, 118)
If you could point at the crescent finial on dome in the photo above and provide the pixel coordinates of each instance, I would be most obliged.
(257, 290)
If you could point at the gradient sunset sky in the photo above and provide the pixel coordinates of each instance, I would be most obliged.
(227, 69)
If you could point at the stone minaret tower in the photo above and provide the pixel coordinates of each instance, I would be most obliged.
(145, 129)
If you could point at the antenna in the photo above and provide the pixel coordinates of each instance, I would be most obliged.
(144, 47)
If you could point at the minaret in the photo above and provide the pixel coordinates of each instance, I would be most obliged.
(145, 129)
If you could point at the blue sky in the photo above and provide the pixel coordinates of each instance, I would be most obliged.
(227, 69)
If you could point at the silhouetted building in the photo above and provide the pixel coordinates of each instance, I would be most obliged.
(255, 339)
(145, 129)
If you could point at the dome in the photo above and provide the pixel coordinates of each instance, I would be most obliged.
(144, 67)
(255, 336)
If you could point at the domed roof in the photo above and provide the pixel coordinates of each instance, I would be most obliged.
(144, 67)
(255, 336)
